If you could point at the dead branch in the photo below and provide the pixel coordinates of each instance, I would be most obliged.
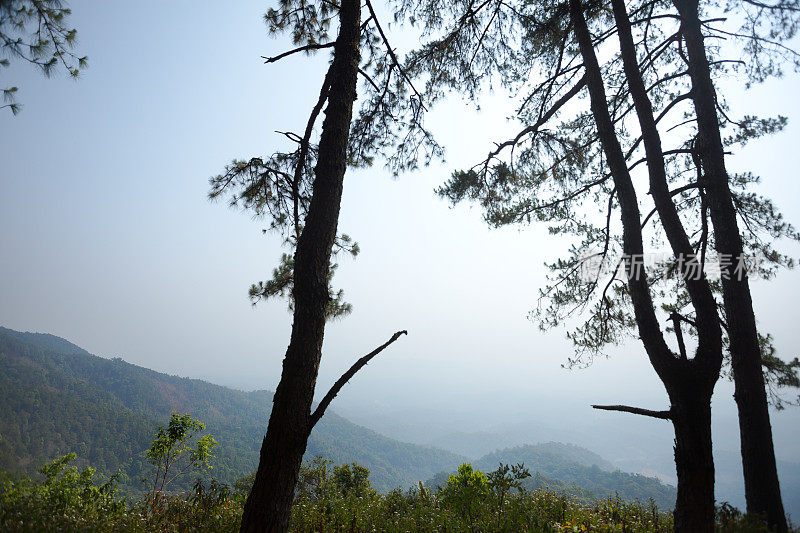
(664, 415)
(676, 324)
(358, 365)
(306, 48)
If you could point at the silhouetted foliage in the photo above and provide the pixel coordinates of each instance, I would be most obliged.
(37, 32)
(575, 165)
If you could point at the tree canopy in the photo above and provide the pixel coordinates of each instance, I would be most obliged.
(553, 169)
(388, 125)
(37, 32)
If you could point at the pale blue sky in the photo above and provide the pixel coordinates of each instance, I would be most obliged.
(107, 239)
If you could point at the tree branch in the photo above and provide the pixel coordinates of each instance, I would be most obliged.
(558, 104)
(676, 323)
(304, 146)
(306, 48)
(391, 53)
(370, 80)
(358, 365)
(674, 192)
(759, 39)
(664, 415)
(780, 6)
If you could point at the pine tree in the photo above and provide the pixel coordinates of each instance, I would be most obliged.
(575, 167)
(300, 192)
(37, 31)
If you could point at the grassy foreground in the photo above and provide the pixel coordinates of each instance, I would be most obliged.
(329, 499)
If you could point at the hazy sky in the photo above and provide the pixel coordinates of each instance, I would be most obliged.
(107, 239)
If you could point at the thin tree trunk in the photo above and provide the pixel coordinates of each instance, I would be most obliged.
(268, 506)
(762, 488)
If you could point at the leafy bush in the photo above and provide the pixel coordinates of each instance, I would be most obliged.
(467, 493)
(331, 499)
(207, 508)
(174, 451)
(352, 479)
(66, 500)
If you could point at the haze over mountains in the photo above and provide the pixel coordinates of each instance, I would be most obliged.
(630, 443)
(57, 398)
(46, 380)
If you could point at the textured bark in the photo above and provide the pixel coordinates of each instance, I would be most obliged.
(268, 506)
(762, 488)
(689, 382)
(694, 462)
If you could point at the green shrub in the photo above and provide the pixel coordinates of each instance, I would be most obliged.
(208, 508)
(337, 499)
(467, 493)
(67, 500)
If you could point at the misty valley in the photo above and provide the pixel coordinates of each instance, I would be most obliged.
(466, 266)
(59, 399)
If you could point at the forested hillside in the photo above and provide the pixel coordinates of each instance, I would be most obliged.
(545, 453)
(57, 398)
(574, 470)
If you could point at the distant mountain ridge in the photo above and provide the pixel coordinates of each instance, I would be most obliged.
(574, 470)
(630, 451)
(45, 341)
(545, 453)
(106, 410)
(57, 397)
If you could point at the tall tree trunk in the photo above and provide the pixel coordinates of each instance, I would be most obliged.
(694, 463)
(689, 382)
(268, 506)
(697, 286)
(762, 488)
